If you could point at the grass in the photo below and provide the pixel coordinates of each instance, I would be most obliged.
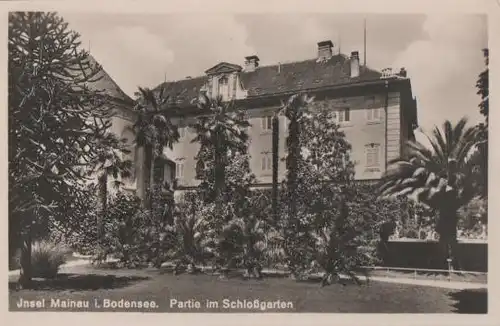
(89, 283)
(455, 277)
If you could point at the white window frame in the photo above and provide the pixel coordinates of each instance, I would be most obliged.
(340, 116)
(375, 151)
(179, 170)
(373, 114)
(266, 163)
(223, 88)
(182, 132)
(266, 123)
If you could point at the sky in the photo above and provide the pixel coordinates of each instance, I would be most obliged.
(442, 53)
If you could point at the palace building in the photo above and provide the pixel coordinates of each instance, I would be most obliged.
(376, 110)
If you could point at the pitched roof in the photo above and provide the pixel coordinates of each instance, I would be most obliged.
(279, 78)
(105, 83)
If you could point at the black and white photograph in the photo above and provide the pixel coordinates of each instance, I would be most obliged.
(219, 162)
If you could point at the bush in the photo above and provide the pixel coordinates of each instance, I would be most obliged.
(46, 258)
(135, 235)
(194, 238)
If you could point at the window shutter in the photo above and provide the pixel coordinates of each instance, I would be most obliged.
(347, 116)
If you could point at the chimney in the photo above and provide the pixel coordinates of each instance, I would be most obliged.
(403, 72)
(251, 62)
(354, 64)
(325, 50)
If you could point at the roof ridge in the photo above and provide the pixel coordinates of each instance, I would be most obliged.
(298, 61)
(263, 66)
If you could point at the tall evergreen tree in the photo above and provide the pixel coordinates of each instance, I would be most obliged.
(294, 109)
(57, 125)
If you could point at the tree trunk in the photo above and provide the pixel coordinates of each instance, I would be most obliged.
(141, 174)
(292, 165)
(447, 230)
(26, 268)
(219, 177)
(148, 158)
(275, 150)
(103, 198)
(152, 179)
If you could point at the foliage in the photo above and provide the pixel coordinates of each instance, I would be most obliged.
(440, 177)
(473, 217)
(154, 130)
(57, 123)
(46, 258)
(134, 235)
(331, 231)
(221, 133)
(482, 86)
(294, 109)
(80, 230)
(194, 237)
(479, 159)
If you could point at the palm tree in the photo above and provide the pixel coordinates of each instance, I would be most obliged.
(439, 176)
(220, 129)
(110, 163)
(294, 110)
(154, 131)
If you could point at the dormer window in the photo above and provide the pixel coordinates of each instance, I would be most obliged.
(223, 87)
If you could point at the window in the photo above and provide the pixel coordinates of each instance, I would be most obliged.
(182, 132)
(267, 163)
(267, 123)
(179, 170)
(223, 87)
(372, 153)
(159, 173)
(373, 114)
(343, 115)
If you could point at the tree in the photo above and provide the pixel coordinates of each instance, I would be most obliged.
(480, 157)
(154, 130)
(294, 109)
(221, 133)
(325, 232)
(275, 158)
(482, 86)
(57, 124)
(110, 164)
(440, 177)
(194, 236)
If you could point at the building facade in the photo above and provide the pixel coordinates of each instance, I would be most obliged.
(375, 109)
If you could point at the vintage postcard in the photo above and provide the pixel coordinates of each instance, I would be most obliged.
(274, 163)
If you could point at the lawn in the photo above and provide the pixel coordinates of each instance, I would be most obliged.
(88, 283)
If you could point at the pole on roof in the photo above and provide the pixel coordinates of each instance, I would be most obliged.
(340, 42)
(364, 42)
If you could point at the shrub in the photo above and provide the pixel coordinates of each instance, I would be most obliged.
(135, 235)
(46, 258)
(194, 238)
